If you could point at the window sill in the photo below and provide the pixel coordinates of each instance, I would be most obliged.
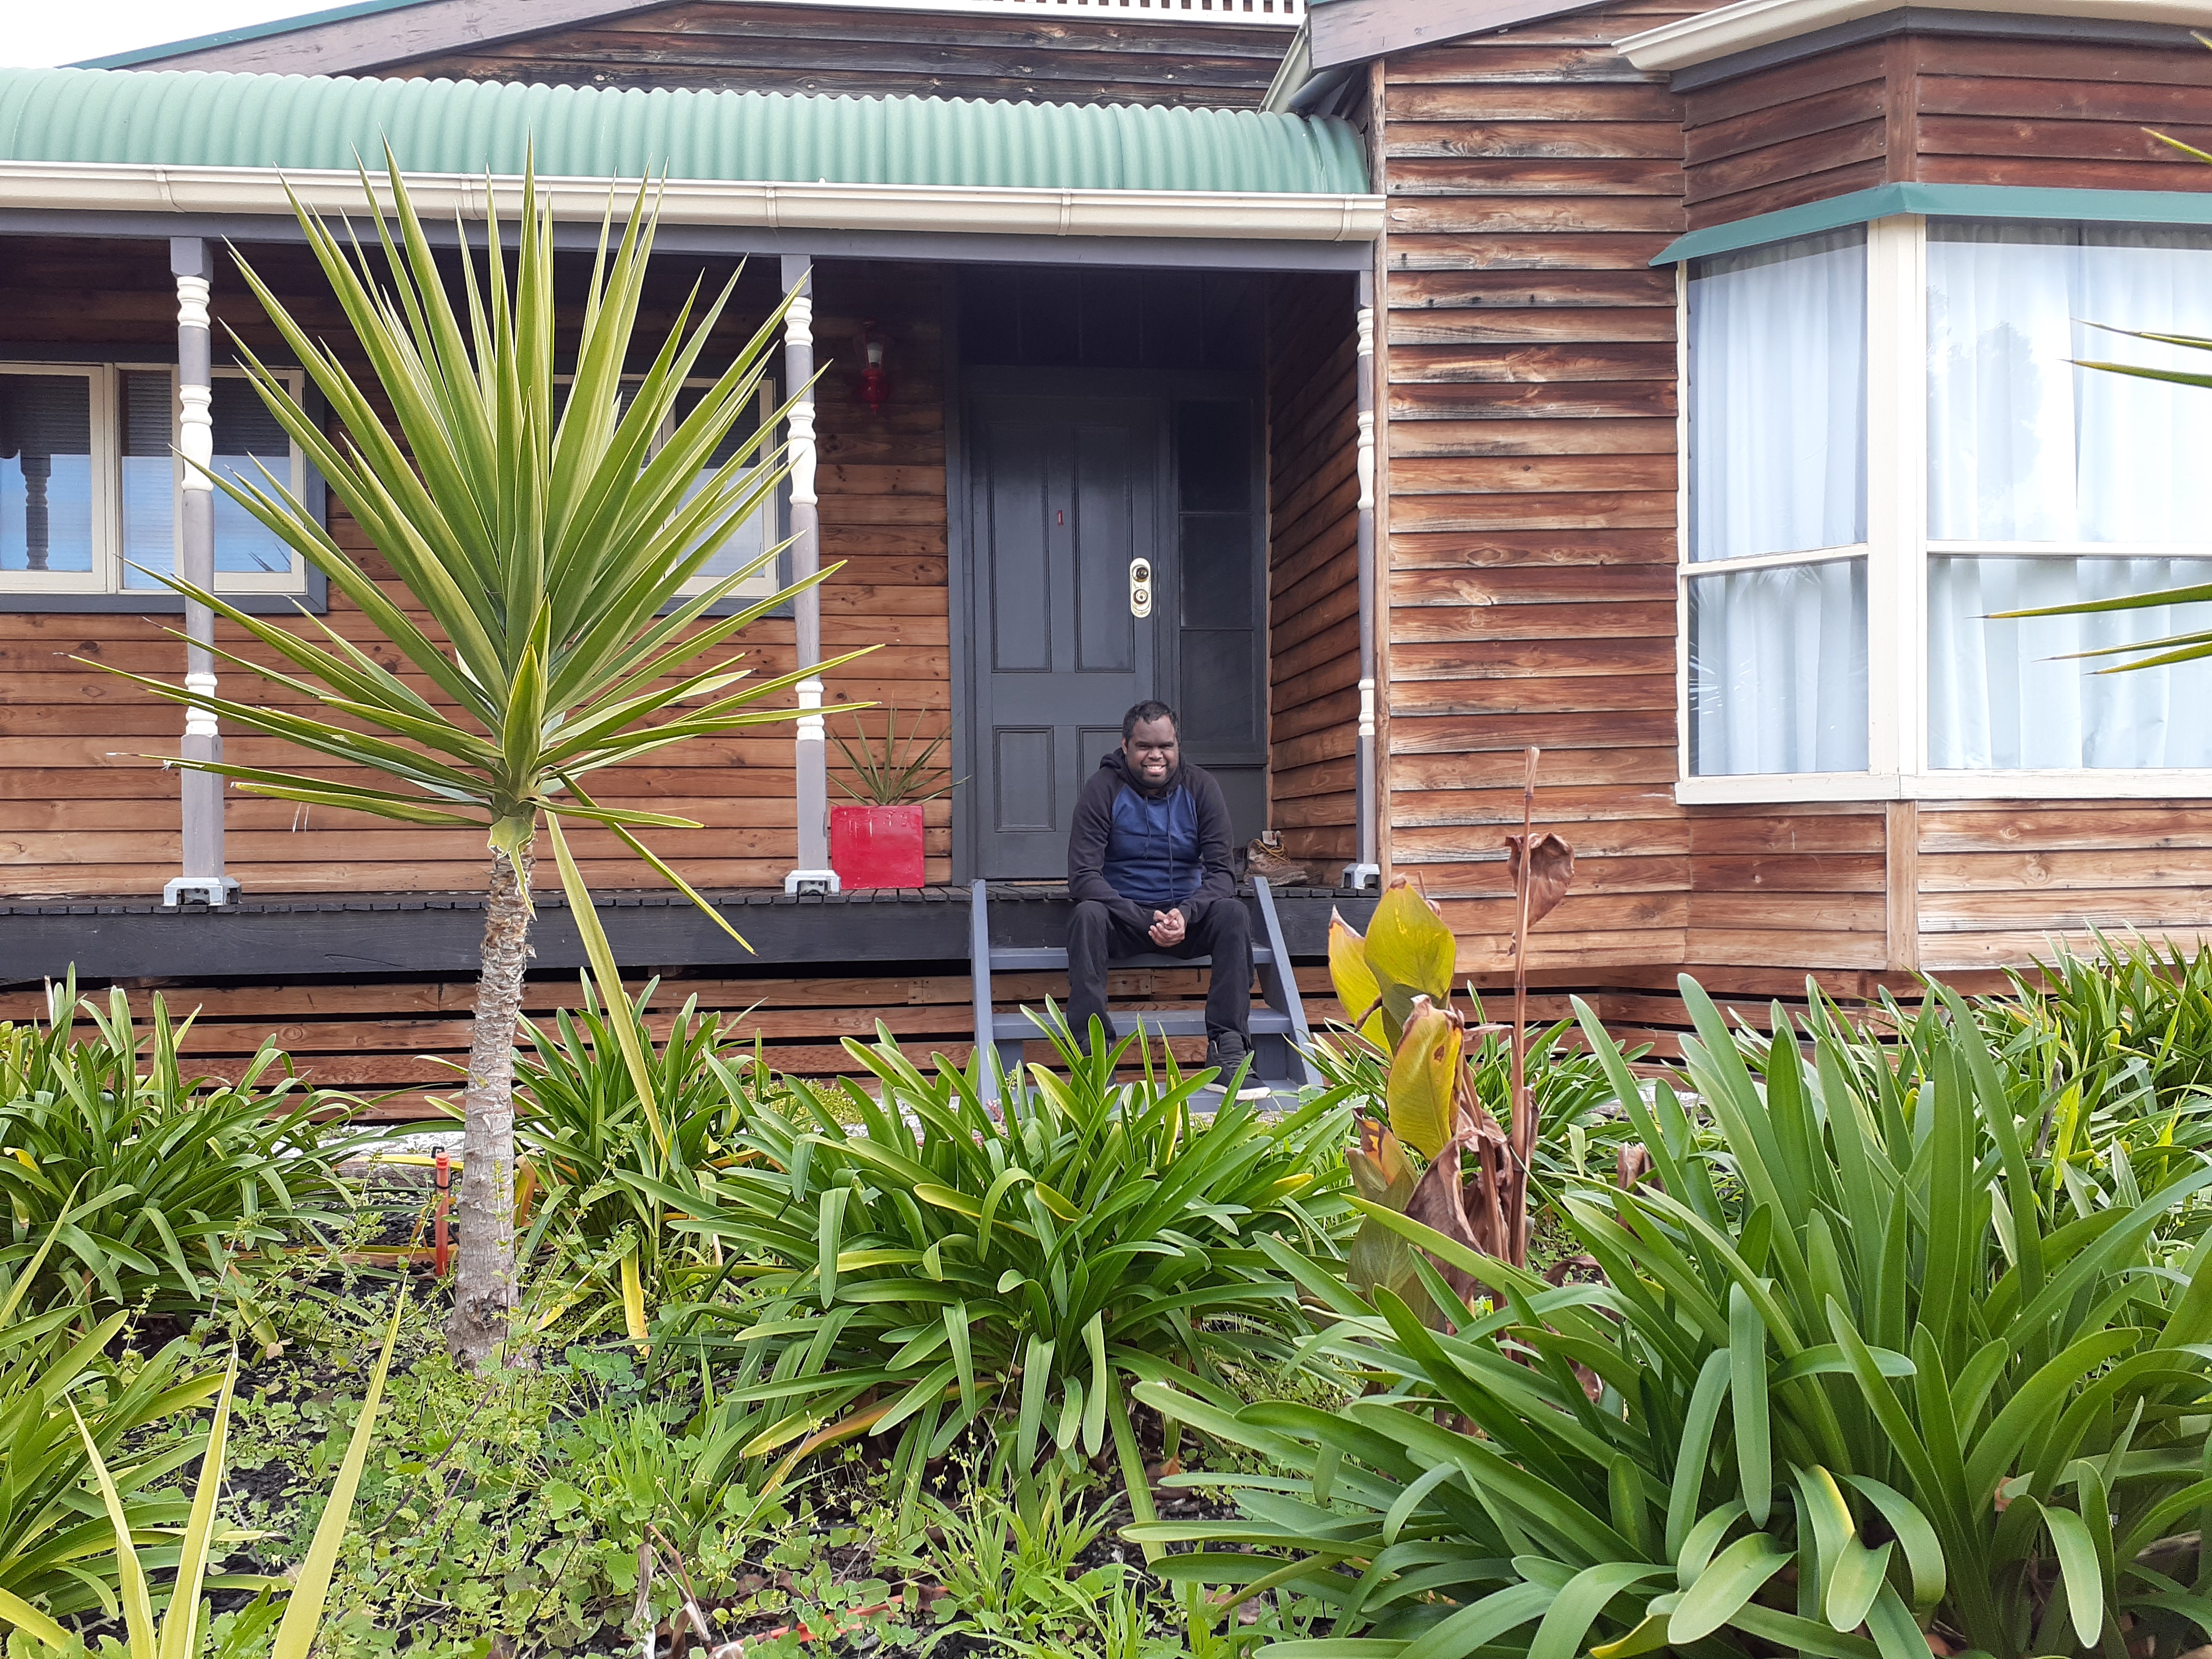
(315, 601)
(2181, 783)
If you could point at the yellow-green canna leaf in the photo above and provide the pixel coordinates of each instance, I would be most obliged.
(1356, 993)
(1410, 952)
(1422, 1092)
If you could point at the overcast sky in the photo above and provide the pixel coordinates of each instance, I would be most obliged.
(43, 32)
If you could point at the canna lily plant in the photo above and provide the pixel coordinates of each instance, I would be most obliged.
(547, 535)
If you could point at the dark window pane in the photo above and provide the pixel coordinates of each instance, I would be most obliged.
(1220, 688)
(244, 426)
(147, 396)
(741, 429)
(1218, 560)
(46, 472)
(1214, 457)
(149, 477)
(247, 439)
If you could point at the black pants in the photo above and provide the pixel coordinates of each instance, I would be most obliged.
(1222, 931)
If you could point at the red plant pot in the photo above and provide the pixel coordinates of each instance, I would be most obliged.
(876, 845)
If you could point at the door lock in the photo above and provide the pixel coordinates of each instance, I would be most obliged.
(1140, 587)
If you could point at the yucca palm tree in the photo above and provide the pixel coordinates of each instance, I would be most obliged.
(548, 536)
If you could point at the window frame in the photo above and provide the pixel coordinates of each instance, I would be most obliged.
(105, 459)
(1897, 551)
(103, 587)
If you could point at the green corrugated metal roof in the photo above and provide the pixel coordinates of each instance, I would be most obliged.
(190, 118)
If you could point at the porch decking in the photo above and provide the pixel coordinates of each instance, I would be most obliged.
(285, 936)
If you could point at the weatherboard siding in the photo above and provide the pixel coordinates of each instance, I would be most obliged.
(1135, 58)
(1947, 109)
(1313, 570)
(1532, 174)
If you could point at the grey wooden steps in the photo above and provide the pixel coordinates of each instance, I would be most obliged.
(1279, 1032)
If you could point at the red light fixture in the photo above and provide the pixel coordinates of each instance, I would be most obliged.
(875, 381)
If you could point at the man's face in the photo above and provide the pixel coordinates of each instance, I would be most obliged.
(1150, 749)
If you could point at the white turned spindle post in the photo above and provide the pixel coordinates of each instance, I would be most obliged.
(203, 880)
(813, 873)
(1367, 866)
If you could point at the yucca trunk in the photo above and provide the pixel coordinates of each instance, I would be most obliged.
(485, 1281)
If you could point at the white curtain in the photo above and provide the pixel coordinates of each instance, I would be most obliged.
(1999, 694)
(1778, 465)
(2024, 446)
(1778, 670)
(1777, 398)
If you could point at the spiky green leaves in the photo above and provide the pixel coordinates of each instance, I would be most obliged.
(541, 530)
(1771, 1426)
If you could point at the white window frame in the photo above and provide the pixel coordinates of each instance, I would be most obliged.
(109, 575)
(1896, 549)
(107, 491)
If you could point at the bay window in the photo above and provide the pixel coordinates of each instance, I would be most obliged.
(1888, 440)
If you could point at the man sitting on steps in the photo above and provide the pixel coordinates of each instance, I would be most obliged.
(1148, 868)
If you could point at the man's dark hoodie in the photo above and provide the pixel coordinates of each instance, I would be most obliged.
(1137, 849)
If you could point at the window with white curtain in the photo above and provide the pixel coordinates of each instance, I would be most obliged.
(1777, 415)
(2031, 456)
(91, 484)
(1889, 440)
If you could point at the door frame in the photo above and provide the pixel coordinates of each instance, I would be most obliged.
(963, 383)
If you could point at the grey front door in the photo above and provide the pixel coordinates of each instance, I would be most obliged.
(1064, 498)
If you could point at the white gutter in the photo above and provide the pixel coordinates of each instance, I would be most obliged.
(1750, 24)
(974, 210)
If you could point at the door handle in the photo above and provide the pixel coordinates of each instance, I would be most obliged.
(1140, 588)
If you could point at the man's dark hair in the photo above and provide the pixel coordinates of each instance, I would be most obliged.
(1151, 709)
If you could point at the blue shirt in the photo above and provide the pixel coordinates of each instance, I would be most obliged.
(1152, 848)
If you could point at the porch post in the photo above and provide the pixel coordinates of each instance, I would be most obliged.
(1368, 867)
(202, 881)
(813, 874)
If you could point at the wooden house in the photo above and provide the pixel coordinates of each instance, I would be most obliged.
(1676, 389)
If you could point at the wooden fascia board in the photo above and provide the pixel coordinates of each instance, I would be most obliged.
(348, 46)
(1356, 30)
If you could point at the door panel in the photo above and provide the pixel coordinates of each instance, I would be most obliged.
(1063, 494)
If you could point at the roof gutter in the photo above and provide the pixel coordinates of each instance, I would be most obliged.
(936, 209)
(1748, 24)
